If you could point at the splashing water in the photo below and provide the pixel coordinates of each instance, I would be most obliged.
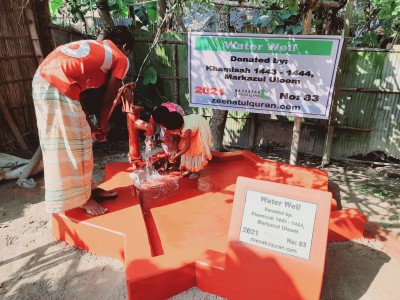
(158, 188)
(148, 181)
(150, 171)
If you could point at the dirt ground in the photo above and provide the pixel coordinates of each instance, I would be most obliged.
(33, 265)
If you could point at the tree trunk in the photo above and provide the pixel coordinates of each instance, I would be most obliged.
(104, 12)
(218, 118)
(217, 124)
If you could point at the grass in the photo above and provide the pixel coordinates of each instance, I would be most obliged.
(379, 191)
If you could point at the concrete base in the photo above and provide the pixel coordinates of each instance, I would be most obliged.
(163, 238)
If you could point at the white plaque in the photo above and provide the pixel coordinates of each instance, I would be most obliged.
(278, 224)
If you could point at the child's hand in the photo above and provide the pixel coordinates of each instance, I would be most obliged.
(172, 158)
(149, 142)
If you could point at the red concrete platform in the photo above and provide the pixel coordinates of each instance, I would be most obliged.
(160, 239)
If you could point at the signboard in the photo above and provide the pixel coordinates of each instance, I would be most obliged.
(277, 240)
(278, 224)
(269, 74)
(288, 220)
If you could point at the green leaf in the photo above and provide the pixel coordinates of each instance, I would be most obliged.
(141, 14)
(286, 16)
(151, 9)
(262, 21)
(279, 30)
(294, 9)
(150, 76)
(54, 6)
(296, 29)
(277, 22)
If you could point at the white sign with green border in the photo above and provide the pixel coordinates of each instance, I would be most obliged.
(269, 74)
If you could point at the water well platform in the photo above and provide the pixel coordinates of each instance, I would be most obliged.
(161, 241)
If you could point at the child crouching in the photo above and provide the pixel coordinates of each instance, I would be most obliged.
(195, 146)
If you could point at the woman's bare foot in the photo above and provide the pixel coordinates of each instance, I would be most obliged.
(101, 194)
(93, 208)
(194, 175)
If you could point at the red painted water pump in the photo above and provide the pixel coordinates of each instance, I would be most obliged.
(126, 95)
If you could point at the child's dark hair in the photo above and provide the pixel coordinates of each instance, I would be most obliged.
(119, 35)
(159, 114)
(173, 121)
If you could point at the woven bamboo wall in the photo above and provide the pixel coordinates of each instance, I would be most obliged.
(63, 36)
(18, 63)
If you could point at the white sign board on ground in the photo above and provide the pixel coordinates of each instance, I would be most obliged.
(269, 74)
(279, 224)
(288, 220)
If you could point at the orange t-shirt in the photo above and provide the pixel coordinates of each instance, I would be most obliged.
(81, 65)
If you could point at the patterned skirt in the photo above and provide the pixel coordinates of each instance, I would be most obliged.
(66, 144)
(199, 153)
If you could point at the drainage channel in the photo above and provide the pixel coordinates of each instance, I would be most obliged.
(151, 228)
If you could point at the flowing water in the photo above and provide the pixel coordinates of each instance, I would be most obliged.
(148, 181)
(150, 171)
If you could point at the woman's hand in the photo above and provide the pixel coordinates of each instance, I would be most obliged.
(104, 126)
